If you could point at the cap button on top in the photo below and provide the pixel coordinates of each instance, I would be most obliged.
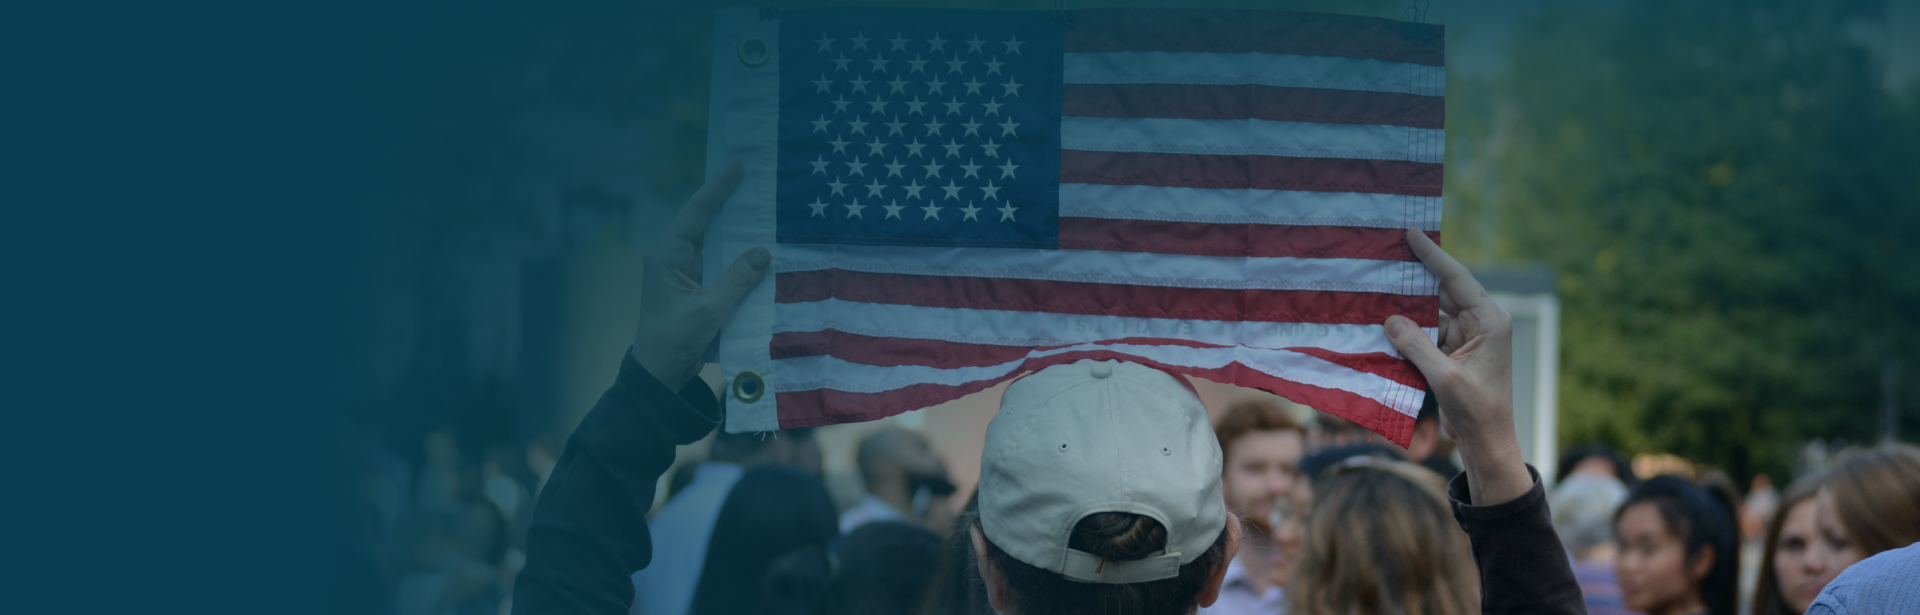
(1101, 370)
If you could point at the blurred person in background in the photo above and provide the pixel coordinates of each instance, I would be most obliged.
(1291, 512)
(1678, 549)
(1792, 568)
(1429, 447)
(956, 588)
(1330, 431)
(1597, 458)
(686, 522)
(883, 568)
(1583, 507)
(460, 563)
(1261, 447)
(773, 510)
(1381, 539)
(905, 479)
(1868, 502)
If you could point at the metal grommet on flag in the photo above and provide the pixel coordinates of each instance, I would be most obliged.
(754, 52)
(748, 386)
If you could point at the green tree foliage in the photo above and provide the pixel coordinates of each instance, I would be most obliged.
(1731, 201)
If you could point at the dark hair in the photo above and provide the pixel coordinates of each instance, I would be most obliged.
(1702, 518)
(1115, 536)
(1314, 465)
(1577, 454)
(879, 569)
(773, 510)
(1767, 599)
(956, 587)
(1429, 409)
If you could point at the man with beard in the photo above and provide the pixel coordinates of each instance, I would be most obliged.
(1261, 447)
(905, 479)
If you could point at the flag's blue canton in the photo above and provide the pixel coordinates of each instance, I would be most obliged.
(919, 127)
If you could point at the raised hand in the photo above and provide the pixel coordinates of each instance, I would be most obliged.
(1471, 373)
(678, 318)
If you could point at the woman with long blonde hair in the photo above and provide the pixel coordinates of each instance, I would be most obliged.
(1381, 539)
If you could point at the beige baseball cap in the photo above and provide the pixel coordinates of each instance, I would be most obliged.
(1100, 436)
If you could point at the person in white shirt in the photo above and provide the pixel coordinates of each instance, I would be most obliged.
(1262, 447)
(906, 481)
(684, 525)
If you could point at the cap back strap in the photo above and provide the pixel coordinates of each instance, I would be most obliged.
(1089, 568)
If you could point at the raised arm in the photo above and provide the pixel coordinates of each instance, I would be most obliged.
(589, 530)
(1498, 500)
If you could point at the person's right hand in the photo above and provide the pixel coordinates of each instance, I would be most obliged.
(1471, 374)
(678, 318)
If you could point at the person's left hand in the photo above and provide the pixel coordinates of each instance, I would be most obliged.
(678, 318)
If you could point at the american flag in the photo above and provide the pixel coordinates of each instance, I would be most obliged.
(954, 198)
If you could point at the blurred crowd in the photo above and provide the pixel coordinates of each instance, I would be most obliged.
(1332, 515)
(446, 528)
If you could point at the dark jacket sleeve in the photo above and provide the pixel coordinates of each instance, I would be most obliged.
(1523, 567)
(589, 530)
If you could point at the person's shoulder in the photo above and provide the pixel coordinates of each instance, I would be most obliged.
(1883, 583)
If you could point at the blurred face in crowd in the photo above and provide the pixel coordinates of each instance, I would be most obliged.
(1836, 546)
(1800, 558)
(1260, 467)
(1652, 565)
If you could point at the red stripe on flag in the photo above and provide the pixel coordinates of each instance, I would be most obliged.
(1239, 102)
(826, 406)
(1304, 306)
(1252, 31)
(1255, 172)
(1267, 240)
(871, 350)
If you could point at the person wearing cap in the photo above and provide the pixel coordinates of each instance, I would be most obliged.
(1149, 515)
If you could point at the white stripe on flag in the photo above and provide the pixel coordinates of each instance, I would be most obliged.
(1244, 206)
(1134, 268)
(1283, 70)
(820, 372)
(1249, 137)
(1017, 328)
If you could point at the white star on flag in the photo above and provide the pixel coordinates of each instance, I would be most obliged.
(873, 189)
(933, 211)
(824, 42)
(970, 210)
(819, 207)
(970, 168)
(1006, 213)
(913, 189)
(853, 210)
(1013, 44)
(973, 44)
(953, 190)
(893, 209)
(936, 43)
